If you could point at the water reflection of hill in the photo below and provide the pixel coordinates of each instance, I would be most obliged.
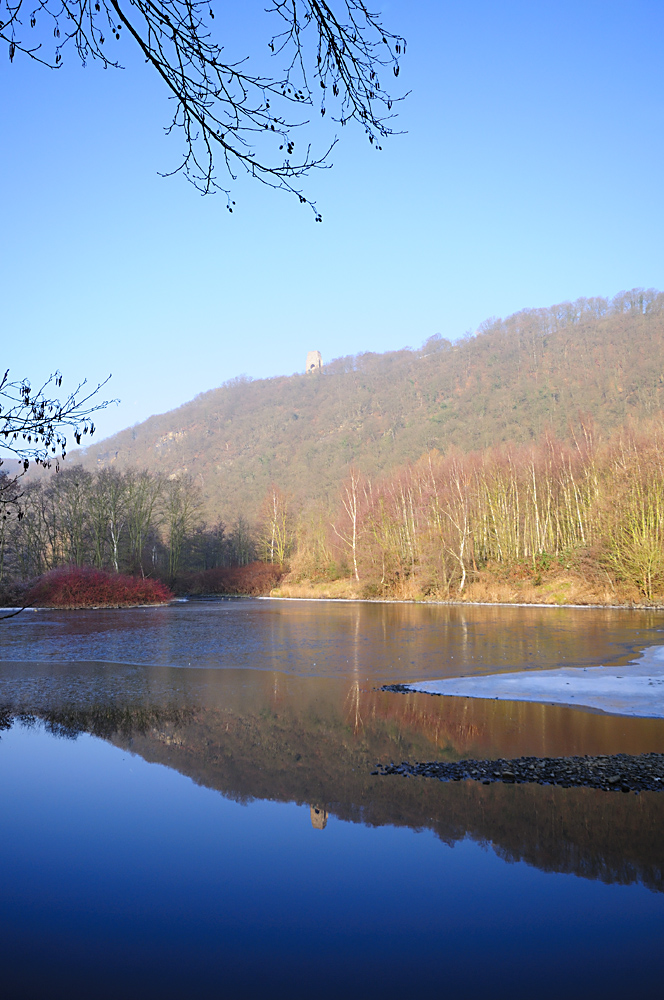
(252, 734)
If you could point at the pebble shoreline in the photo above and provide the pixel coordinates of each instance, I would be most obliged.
(610, 773)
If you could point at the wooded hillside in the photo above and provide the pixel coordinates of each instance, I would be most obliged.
(515, 379)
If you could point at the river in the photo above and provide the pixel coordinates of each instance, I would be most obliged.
(189, 806)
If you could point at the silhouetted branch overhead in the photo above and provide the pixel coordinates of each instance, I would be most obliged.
(327, 56)
(33, 423)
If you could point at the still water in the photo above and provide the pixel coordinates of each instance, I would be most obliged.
(189, 809)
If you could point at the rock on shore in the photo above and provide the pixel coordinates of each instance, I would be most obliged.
(618, 772)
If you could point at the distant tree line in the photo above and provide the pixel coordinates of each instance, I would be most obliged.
(130, 522)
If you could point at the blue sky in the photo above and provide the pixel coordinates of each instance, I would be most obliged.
(530, 172)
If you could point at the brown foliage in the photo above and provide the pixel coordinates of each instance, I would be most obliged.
(256, 579)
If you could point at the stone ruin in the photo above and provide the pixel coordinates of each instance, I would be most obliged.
(314, 361)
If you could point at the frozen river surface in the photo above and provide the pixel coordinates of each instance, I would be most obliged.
(637, 689)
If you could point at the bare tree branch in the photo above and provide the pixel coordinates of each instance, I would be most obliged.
(329, 57)
(33, 423)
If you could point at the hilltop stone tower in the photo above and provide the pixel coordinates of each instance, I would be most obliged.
(314, 362)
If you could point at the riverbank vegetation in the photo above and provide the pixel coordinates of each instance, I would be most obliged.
(111, 538)
(562, 522)
(523, 464)
(554, 522)
(85, 587)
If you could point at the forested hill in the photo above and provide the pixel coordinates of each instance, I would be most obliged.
(514, 379)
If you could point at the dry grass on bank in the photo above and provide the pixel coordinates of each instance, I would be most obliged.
(558, 585)
(346, 590)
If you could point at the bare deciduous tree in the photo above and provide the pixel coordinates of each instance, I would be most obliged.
(275, 526)
(143, 493)
(181, 505)
(349, 527)
(327, 56)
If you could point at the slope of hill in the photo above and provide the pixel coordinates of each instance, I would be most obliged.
(511, 381)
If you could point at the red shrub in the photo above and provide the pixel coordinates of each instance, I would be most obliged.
(255, 580)
(83, 587)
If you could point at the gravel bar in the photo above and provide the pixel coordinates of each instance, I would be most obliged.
(616, 773)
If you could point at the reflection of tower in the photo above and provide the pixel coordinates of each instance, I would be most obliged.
(318, 817)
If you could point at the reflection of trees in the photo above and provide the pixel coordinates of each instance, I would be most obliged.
(354, 697)
(287, 756)
(448, 640)
(253, 734)
(105, 721)
(354, 706)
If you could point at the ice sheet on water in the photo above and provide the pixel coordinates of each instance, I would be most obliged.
(636, 689)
